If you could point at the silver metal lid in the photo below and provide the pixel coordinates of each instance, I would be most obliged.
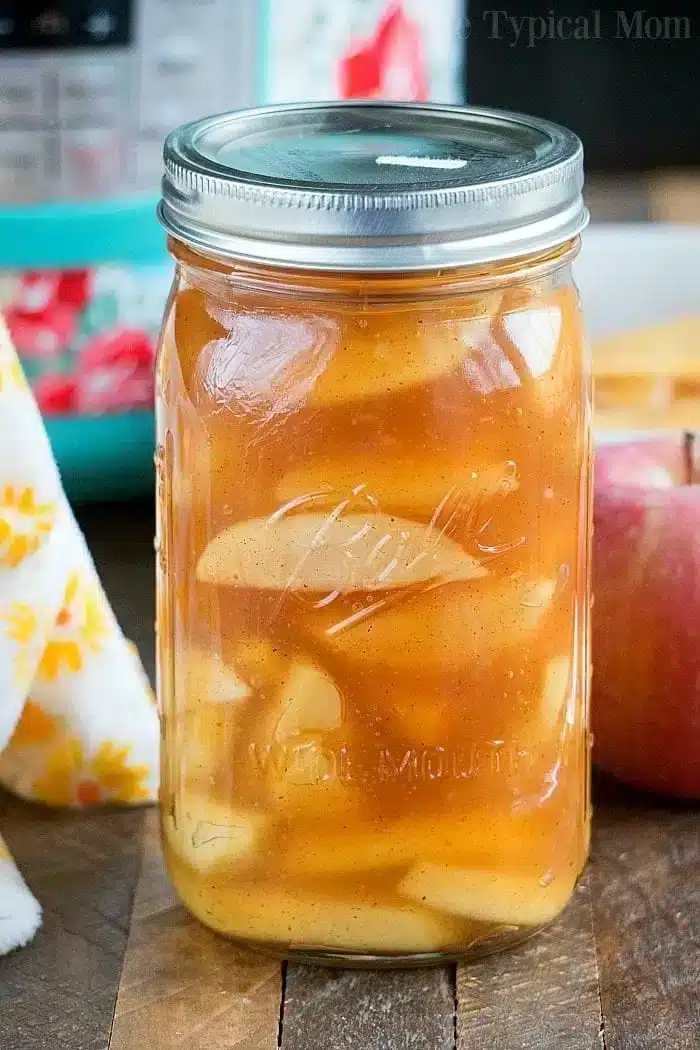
(372, 186)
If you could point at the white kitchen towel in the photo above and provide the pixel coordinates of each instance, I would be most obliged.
(78, 725)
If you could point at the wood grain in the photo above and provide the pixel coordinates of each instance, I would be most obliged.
(645, 886)
(364, 1010)
(59, 992)
(184, 988)
(541, 996)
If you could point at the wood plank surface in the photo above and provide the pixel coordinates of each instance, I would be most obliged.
(59, 992)
(184, 988)
(365, 1010)
(540, 996)
(645, 882)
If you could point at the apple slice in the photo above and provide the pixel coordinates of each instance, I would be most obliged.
(210, 680)
(295, 747)
(257, 913)
(309, 700)
(210, 835)
(325, 553)
(444, 629)
(302, 699)
(513, 899)
(418, 485)
(260, 662)
(383, 356)
(203, 726)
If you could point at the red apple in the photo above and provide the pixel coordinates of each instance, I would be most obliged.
(646, 618)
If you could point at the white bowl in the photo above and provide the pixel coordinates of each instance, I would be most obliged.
(636, 274)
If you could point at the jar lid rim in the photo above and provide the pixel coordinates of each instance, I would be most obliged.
(372, 186)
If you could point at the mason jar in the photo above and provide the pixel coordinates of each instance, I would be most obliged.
(373, 529)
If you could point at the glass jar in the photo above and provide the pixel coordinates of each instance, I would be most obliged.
(374, 471)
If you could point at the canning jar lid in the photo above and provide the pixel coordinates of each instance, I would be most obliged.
(372, 186)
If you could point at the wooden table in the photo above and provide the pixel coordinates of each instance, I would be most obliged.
(119, 964)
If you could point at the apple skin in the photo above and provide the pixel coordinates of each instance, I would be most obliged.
(646, 618)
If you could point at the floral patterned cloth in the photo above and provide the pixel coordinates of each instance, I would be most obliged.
(78, 725)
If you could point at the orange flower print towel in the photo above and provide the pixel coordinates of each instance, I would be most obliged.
(78, 726)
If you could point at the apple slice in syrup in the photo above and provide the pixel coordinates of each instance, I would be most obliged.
(328, 552)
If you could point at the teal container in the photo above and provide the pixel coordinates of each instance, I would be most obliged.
(83, 287)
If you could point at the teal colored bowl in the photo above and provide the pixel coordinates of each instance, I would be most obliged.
(104, 457)
(107, 454)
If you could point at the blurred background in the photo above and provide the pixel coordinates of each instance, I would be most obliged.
(89, 88)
